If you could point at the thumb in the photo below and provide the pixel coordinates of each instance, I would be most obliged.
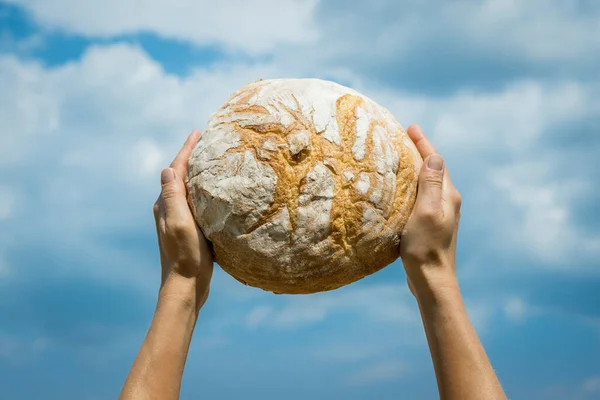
(431, 180)
(174, 198)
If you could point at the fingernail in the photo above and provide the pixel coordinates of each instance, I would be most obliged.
(196, 134)
(167, 175)
(435, 162)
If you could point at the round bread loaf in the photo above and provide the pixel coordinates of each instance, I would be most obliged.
(302, 185)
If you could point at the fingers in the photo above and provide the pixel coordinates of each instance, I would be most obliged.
(426, 149)
(431, 177)
(431, 185)
(172, 204)
(178, 234)
(180, 163)
(177, 215)
(421, 142)
(158, 216)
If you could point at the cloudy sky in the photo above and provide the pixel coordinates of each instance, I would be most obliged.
(97, 97)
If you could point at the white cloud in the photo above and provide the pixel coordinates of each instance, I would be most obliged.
(12, 44)
(534, 20)
(255, 26)
(111, 98)
(515, 309)
(257, 316)
(385, 31)
(386, 303)
(591, 385)
(99, 130)
(28, 107)
(18, 351)
(211, 342)
(350, 353)
(385, 39)
(506, 123)
(4, 268)
(543, 205)
(481, 311)
(377, 373)
(313, 33)
(7, 202)
(587, 389)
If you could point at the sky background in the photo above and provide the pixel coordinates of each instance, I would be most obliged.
(97, 97)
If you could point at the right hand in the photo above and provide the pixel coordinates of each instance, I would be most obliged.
(428, 243)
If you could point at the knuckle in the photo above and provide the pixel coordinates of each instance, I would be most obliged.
(178, 228)
(156, 209)
(429, 215)
(169, 191)
(433, 179)
(422, 255)
(457, 198)
(181, 229)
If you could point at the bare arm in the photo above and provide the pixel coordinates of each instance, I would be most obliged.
(156, 372)
(428, 251)
(187, 266)
(462, 368)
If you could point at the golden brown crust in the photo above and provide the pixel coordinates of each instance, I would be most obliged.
(350, 251)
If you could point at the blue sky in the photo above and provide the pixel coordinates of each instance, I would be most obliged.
(96, 99)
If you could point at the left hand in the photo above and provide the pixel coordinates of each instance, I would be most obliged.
(184, 251)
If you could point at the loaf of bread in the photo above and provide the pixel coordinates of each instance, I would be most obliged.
(302, 185)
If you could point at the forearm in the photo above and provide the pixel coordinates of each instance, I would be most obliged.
(462, 367)
(158, 367)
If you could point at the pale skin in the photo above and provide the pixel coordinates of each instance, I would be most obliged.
(427, 250)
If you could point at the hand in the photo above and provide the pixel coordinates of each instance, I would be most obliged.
(428, 244)
(184, 251)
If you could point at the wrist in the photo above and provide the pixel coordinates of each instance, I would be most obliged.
(179, 289)
(432, 282)
(438, 295)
